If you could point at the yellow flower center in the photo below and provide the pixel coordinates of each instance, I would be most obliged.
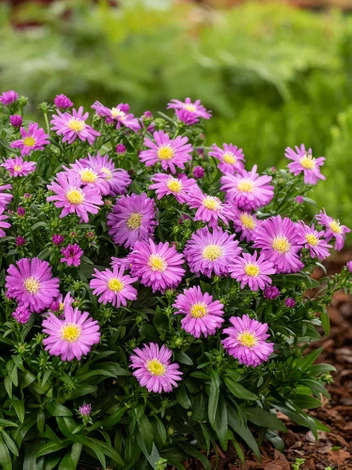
(190, 107)
(212, 252)
(247, 339)
(75, 196)
(308, 162)
(199, 310)
(248, 221)
(312, 239)
(245, 186)
(70, 332)
(335, 227)
(17, 167)
(212, 203)
(115, 284)
(134, 221)
(229, 157)
(281, 244)
(166, 152)
(155, 367)
(174, 185)
(252, 270)
(88, 176)
(32, 285)
(29, 141)
(107, 172)
(76, 125)
(118, 113)
(157, 263)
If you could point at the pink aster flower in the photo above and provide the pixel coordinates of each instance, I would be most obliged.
(153, 368)
(72, 336)
(196, 108)
(313, 240)
(16, 120)
(245, 223)
(178, 186)
(198, 172)
(62, 102)
(349, 266)
(211, 252)
(8, 97)
(252, 271)
(247, 190)
(58, 306)
(271, 293)
(20, 241)
(72, 255)
(72, 198)
(85, 410)
(209, 208)
(120, 149)
(280, 243)
(21, 315)
(57, 239)
(303, 161)
(132, 219)
(113, 286)
(246, 341)
(33, 139)
(71, 126)
(289, 302)
(90, 177)
(2, 223)
(333, 229)
(30, 282)
(18, 167)
(187, 117)
(5, 198)
(202, 313)
(118, 114)
(170, 153)
(156, 265)
(231, 158)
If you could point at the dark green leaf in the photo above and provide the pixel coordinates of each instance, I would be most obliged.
(265, 419)
(239, 391)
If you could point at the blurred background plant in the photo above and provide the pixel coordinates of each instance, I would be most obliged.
(266, 69)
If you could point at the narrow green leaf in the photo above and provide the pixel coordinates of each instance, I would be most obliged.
(265, 419)
(5, 457)
(213, 397)
(239, 391)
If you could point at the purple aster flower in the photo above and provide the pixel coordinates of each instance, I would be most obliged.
(156, 265)
(62, 102)
(209, 208)
(120, 149)
(30, 282)
(231, 158)
(280, 243)
(289, 302)
(196, 108)
(203, 315)
(299, 199)
(118, 114)
(91, 177)
(165, 185)
(33, 139)
(21, 315)
(18, 167)
(73, 125)
(333, 229)
(132, 219)
(153, 368)
(246, 341)
(303, 161)
(211, 252)
(2, 223)
(57, 239)
(170, 153)
(16, 120)
(72, 255)
(61, 302)
(349, 266)
(72, 198)
(313, 240)
(148, 115)
(113, 286)
(187, 117)
(5, 198)
(247, 190)
(21, 211)
(20, 241)
(8, 97)
(245, 223)
(252, 271)
(271, 293)
(198, 172)
(85, 410)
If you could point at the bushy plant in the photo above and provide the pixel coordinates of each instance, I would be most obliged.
(154, 292)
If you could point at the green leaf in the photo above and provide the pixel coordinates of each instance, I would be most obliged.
(184, 358)
(51, 447)
(240, 427)
(221, 423)
(5, 457)
(41, 421)
(71, 459)
(18, 406)
(306, 402)
(213, 397)
(308, 360)
(6, 422)
(8, 386)
(182, 397)
(193, 452)
(264, 418)
(153, 455)
(239, 391)
(146, 432)
(318, 369)
(55, 409)
(10, 444)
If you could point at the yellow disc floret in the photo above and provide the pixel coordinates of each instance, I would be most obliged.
(134, 221)
(107, 172)
(248, 221)
(166, 152)
(190, 107)
(212, 203)
(245, 186)
(17, 167)
(229, 157)
(312, 239)
(174, 185)
(88, 175)
(247, 339)
(70, 332)
(252, 270)
(32, 285)
(335, 227)
(75, 196)
(76, 125)
(212, 252)
(281, 244)
(117, 113)
(155, 367)
(29, 141)
(199, 310)
(157, 263)
(115, 284)
(308, 162)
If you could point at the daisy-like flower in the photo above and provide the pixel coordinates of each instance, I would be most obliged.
(72, 255)
(30, 282)
(71, 336)
(178, 186)
(5, 198)
(118, 114)
(113, 286)
(211, 252)
(72, 198)
(245, 224)
(203, 315)
(18, 167)
(304, 162)
(333, 229)
(90, 177)
(280, 243)
(71, 126)
(156, 265)
(2, 223)
(187, 117)
(196, 108)
(313, 240)
(62, 102)
(271, 293)
(8, 97)
(230, 156)
(209, 208)
(247, 190)
(33, 139)
(132, 219)
(170, 153)
(252, 270)
(21, 315)
(246, 341)
(153, 368)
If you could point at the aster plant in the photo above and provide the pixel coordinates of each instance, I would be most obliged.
(157, 298)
